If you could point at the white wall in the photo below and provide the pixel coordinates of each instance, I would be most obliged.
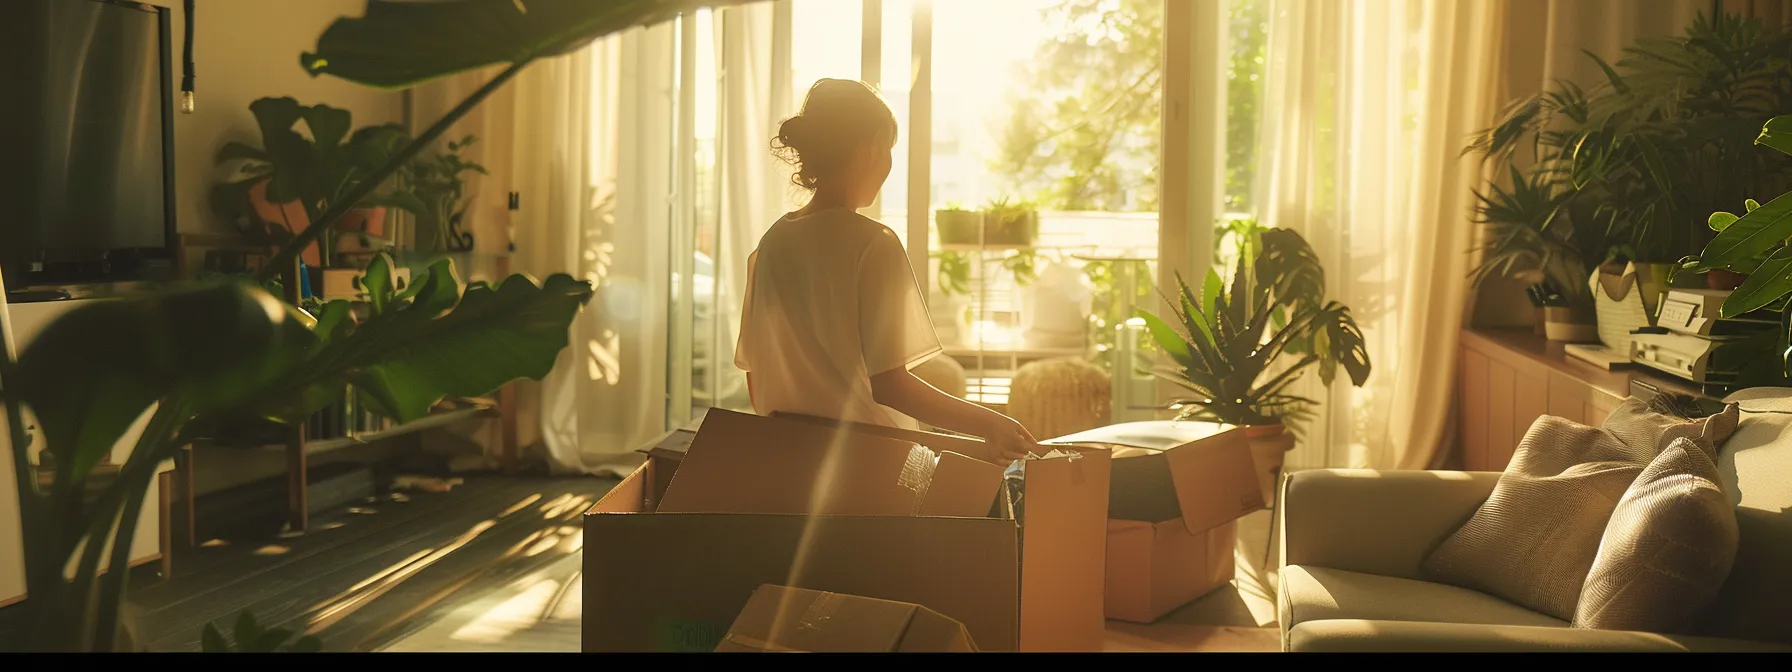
(244, 50)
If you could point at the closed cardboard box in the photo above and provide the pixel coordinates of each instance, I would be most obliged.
(661, 581)
(781, 619)
(1153, 568)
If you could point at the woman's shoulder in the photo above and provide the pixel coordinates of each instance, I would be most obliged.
(841, 226)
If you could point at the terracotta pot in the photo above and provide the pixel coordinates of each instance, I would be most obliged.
(1269, 449)
(371, 221)
(1723, 280)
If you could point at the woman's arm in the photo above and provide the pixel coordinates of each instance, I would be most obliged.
(904, 392)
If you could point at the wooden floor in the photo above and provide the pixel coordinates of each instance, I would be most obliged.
(371, 573)
(540, 612)
(494, 565)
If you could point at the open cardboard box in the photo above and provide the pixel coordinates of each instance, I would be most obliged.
(781, 619)
(661, 581)
(1178, 488)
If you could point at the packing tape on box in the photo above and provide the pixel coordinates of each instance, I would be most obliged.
(820, 611)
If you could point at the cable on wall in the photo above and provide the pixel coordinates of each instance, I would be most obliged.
(186, 66)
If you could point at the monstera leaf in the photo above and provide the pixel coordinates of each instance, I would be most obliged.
(397, 44)
(96, 370)
(430, 341)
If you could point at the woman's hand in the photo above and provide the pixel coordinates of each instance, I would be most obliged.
(1011, 441)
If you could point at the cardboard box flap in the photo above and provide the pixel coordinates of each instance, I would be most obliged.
(969, 446)
(741, 463)
(782, 618)
(672, 446)
(961, 487)
(1200, 472)
(1063, 550)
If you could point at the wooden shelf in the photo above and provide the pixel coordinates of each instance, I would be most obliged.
(436, 419)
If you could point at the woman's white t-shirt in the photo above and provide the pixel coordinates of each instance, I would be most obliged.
(830, 302)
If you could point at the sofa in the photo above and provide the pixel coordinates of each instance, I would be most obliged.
(1353, 542)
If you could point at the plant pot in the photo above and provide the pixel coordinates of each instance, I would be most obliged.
(1569, 325)
(1018, 229)
(371, 221)
(1269, 450)
(1724, 280)
(958, 227)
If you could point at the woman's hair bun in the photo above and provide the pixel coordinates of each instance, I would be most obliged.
(793, 131)
(838, 117)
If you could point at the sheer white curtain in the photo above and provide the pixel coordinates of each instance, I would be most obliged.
(1366, 108)
(593, 159)
(595, 204)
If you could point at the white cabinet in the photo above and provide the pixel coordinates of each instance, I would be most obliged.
(27, 321)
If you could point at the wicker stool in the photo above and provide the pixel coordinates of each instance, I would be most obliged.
(1055, 397)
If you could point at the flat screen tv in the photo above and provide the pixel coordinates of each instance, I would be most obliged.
(87, 131)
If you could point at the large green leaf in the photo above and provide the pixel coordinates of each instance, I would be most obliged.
(429, 342)
(1777, 133)
(1752, 234)
(93, 372)
(492, 337)
(403, 43)
(1772, 280)
(1167, 338)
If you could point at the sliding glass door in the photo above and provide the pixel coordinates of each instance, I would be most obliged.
(1058, 162)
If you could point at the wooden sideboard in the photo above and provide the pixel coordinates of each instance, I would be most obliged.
(1510, 377)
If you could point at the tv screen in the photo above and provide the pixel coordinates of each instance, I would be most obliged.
(87, 128)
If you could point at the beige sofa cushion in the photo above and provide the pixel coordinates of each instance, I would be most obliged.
(1412, 637)
(1535, 538)
(1756, 467)
(1666, 551)
(1310, 594)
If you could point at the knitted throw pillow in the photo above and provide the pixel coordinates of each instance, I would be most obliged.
(1667, 550)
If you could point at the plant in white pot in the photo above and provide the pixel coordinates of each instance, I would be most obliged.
(1228, 343)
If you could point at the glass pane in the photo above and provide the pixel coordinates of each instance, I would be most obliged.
(825, 42)
(895, 75)
(1044, 183)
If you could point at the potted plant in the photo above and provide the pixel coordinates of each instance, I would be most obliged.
(958, 226)
(437, 184)
(1757, 247)
(1010, 224)
(1638, 162)
(294, 176)
(1228, 342)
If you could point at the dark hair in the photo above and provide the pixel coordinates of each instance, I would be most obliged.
(838, 117)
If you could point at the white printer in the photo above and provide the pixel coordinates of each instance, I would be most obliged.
(1688, 338)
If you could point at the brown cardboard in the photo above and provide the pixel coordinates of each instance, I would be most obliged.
(1154, 568)
(781, 619)
(936, 441)
(1202, 473)
(668, 452)
(675, 581)
(743, 463)
(1070, 494)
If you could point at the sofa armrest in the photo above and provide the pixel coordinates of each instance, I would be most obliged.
(1375, 522)
(1414, 637)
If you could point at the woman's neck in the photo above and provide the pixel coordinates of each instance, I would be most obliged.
(826, 200)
